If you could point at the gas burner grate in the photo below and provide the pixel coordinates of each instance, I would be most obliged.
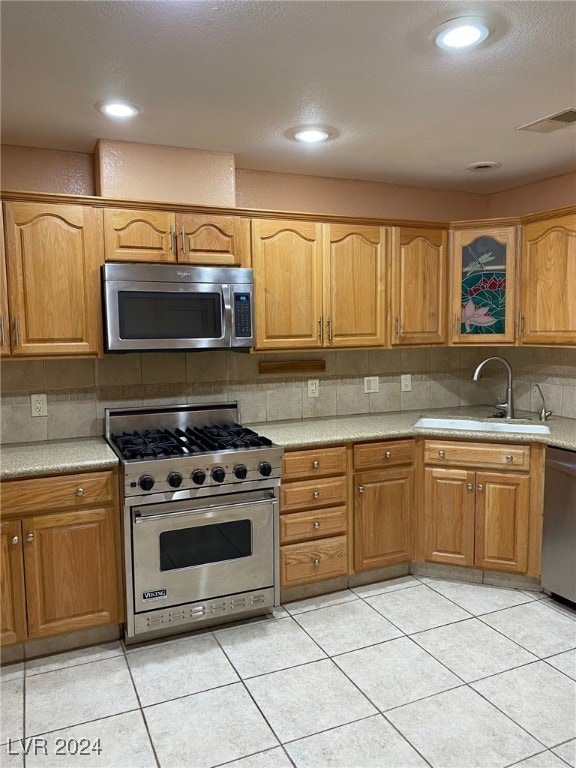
(150, 444)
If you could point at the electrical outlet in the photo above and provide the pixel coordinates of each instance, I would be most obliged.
(39, 405)
(371, 384)
(406, 382)
(313, 387)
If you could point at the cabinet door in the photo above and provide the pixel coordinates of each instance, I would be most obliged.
(287, 262)
(502, 511)
(213, 240)
(139, 235)
(4, 316)
(383, 518)
(448, 516)
(12, 604)
(483, 268)
(354, 286)
(71, 571)
(53, 255)
(548, 280)
(418, 293)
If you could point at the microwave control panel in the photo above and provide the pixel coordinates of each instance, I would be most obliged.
(242, 315)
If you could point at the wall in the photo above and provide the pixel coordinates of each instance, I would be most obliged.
(532, 198)
(79, 390)
(46, 170)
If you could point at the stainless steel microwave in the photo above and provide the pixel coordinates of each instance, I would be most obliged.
(172, 306)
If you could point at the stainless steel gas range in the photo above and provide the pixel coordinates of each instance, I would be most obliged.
(200, 517)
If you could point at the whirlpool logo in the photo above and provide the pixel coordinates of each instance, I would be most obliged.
(183, 274)
(154, 594)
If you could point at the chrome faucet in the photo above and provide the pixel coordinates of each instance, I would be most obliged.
(507, 407)
(543, 414)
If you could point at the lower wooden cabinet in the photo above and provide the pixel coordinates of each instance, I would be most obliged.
(472, 517)
(383, 504)
(313, 516)
(59, 566)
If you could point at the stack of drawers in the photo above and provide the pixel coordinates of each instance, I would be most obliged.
(313, 516)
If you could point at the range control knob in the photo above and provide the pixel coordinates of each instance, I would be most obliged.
(240, 471)
(265, 469)
(218, 474)
(174, 479)
(198, 476)
(146, 482)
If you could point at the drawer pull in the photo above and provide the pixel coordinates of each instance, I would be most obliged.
(360, 489)
(79, 491)
(29, 537)
(316, 562)
(470, 486)
(441, 454)
(316, 494)
(315, 465)
(15, 539)
(388, 454)
(509, 459)
(316, 525)
(480, 487)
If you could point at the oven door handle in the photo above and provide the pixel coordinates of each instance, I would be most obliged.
(141, 518)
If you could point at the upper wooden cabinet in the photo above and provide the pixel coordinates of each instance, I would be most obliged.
(53, 255)
(318, 285)
(548, 280)
(418, 292)
(287, 263)
(189, 238)
(483, 265)
(4, 315)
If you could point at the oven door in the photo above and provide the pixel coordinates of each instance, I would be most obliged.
(197, 549)
(149, 315)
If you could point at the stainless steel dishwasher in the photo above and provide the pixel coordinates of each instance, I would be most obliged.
(559, 534)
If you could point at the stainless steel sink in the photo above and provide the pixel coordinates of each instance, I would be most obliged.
(476, 425)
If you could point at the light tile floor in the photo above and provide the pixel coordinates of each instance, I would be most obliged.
(404, 673)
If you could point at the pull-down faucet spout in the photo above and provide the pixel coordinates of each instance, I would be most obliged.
(507, 407)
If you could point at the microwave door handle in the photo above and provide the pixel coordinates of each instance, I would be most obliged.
(227, 319)
(139, 517)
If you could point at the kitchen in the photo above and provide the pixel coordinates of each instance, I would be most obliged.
(150, 689)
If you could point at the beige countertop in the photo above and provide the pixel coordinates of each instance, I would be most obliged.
(55, 457)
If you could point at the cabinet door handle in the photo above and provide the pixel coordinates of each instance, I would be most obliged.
(184, 251)
(397, 325)
(29, 537)
(455, 325)
(16, 326)
(172, 235)
(509, 458)
(316, 494)
(441, 454)
(315, 465)
(316, 525)
(79, 491)
(470, 486)
(317, 562)
(330, 333)
(480, 487)
(15, 540)
(360, 489)
(521, 325)
(388, 454)
(321, 328)
(2, 332)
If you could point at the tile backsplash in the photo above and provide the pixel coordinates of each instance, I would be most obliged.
(80, 390)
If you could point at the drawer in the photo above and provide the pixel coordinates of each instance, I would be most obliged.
(24, 497)
(393, 453)
(324, 492)
(302, 526)
(477, 455)
(313, 561)
(320, 462)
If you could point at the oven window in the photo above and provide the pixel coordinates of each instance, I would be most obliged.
(205, 544)
(157, 315)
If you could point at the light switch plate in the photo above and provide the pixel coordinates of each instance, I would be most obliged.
(313, 387)
(39, 405)
(406, 382)
(371, 384)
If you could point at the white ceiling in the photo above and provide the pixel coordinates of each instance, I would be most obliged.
(234, 75)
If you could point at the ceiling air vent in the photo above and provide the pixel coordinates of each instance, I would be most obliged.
(551, 123)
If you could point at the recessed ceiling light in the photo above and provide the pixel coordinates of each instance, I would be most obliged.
(484, 165)
(311, 134)
(121, 109)
(465, 32)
